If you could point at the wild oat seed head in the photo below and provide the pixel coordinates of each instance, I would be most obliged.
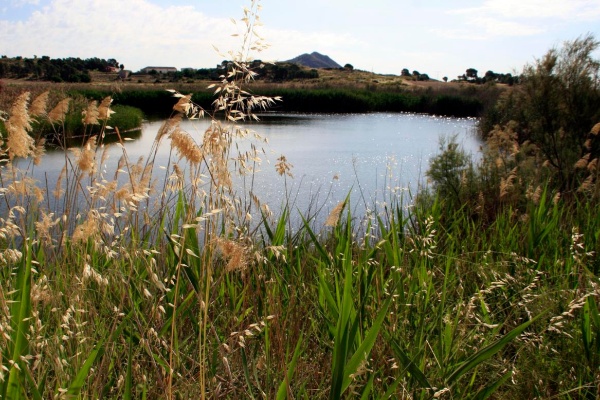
(283, 167)
(186, 146)
(184, 104)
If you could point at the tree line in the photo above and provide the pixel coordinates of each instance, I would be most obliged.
(74, 69)
(71, 69)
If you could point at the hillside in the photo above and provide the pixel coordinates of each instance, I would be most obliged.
(315, 60)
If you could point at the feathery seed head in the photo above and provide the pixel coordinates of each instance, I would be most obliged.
(58, 113)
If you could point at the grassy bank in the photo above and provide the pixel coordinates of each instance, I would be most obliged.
(458, 102)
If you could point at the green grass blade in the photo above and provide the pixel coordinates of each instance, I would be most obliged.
(490, 389)
(83, 373)
(409, 365)
(315, 241)
(20, 314)
(127, 394)
(365, 347)
(368, 388)
(246, 373)
(488, 351)
(283, 391)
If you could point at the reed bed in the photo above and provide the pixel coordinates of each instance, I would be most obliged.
(154, 283)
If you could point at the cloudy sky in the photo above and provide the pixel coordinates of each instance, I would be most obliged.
(438, 37)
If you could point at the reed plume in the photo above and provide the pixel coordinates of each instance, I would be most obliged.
(86, 157)
(39, 105)
(19, 143)
(90, 114)
(104, 111)
(59, 112)
(334, 215)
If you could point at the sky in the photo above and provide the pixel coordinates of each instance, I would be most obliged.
(437, 37)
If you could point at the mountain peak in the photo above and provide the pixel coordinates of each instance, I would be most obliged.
(315, 60)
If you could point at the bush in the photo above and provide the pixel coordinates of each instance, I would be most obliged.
(555, 109)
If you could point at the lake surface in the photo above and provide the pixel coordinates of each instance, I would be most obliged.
(372, 157)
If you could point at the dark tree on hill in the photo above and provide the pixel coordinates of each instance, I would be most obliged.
(471, 73)
(405, 72)
(349, 67)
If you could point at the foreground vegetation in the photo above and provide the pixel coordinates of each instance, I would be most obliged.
(120, 285)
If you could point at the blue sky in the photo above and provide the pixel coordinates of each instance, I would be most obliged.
(438, 37)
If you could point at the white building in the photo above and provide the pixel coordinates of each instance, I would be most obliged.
(162, 70)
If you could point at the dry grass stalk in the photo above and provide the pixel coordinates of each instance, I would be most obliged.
(556, 198)
(58, 189)
(89, 229)
(10, 257)
(235, 254)
(168, 127)
(38, 151)
(27, 187)
(44, 227)
(587, 185)
(283, 167)
(582, 162)
(506, 185)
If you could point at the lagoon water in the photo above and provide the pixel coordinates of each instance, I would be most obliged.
(370, 156)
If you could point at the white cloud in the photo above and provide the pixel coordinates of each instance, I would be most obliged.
(20, 3)
(133, 31)
(537, 9)
(138, 33)
(503, 18)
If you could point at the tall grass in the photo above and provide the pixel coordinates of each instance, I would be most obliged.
(183, 287)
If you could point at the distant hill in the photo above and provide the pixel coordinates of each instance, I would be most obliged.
(315, 60)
